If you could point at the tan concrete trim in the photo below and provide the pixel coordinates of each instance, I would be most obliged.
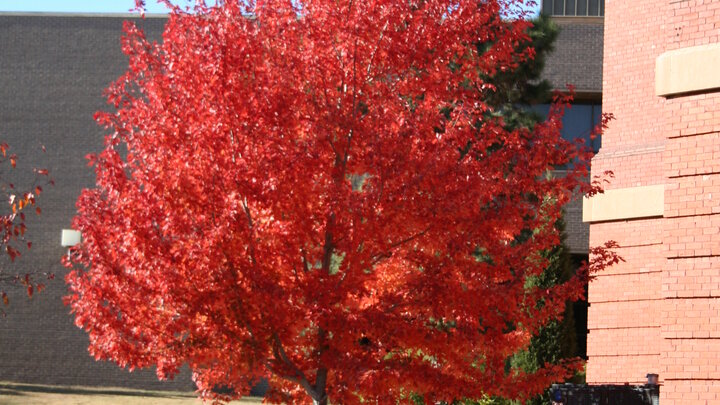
(688, 70)
(625, 203)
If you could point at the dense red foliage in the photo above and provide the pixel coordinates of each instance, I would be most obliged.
(315, 191)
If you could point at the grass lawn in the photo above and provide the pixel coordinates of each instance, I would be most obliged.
(33, 394)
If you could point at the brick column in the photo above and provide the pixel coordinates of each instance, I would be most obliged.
(660, 310)
(691, 229)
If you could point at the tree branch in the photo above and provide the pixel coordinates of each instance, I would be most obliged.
(328, 246)
(306, 266)
(385, 255)
(299, 377)
(251, 244)
(377, 45)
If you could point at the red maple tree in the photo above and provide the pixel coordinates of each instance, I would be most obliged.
(317, 193)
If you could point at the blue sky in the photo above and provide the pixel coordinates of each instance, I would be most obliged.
(77, 6)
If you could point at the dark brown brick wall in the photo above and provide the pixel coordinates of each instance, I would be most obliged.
(53, 70)
(576, 230)
(577, 60)
(578, 55)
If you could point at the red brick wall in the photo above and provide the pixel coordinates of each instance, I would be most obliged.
(624, 343)
(660, 310)
(691, 232)
(624, 315)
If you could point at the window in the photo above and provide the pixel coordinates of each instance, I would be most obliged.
(578, 122)
(572, 8)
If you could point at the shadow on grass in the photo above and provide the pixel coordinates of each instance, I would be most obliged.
(11, 392)
(18, 389)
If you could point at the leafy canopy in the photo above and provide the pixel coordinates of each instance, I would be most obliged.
(313, 191)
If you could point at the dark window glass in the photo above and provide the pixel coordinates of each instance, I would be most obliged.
(594, 8)
(597, 116)
(569, 7)
(581, 7)
(547, 7)
(578, 122)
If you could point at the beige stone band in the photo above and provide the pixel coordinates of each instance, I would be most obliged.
(625, 203)
(688, 70)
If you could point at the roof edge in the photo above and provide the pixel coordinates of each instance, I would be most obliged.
(73, 14)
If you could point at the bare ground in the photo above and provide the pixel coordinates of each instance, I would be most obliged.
(34, 394)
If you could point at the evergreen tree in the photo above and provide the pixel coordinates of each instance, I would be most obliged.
(556, 341)
(516, 89)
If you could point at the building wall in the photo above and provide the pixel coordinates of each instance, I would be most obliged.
(577, 232)
(624, 317)
(578, 55)
(658, 312)
(53, 70)
(577, 60)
